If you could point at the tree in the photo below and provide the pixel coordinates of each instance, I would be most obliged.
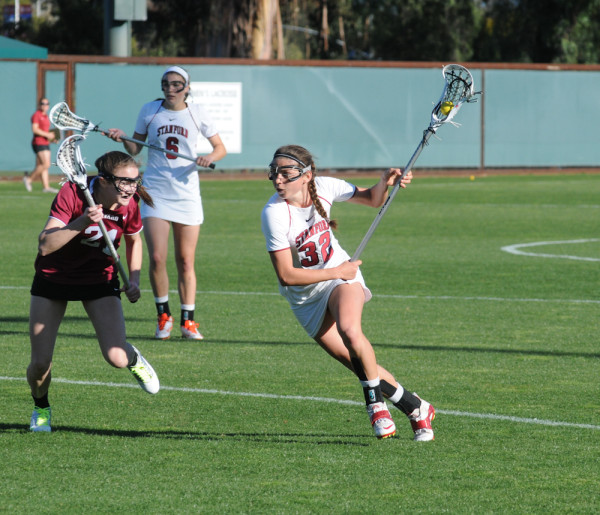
(522, 31)
(424, 30)
(75, 27)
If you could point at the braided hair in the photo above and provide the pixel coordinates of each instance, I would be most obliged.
(111, 161)
(304, 158)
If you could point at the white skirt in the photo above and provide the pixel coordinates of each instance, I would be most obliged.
(311, 313)
(185, 212)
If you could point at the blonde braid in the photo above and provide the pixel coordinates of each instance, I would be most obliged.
(312, 190)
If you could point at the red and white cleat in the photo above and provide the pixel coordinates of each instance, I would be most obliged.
(421, 419)
(381, 420)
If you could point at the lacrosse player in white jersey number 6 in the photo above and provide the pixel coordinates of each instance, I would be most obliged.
(173, 124)
(326, 291)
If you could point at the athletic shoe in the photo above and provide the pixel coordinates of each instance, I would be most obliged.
(381, 420)
(40, 420)
(421, 419)
(190, 331)
(144, 374)
(27, 183)
(164, 327)
(49, 190)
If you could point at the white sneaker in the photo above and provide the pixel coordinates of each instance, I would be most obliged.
(27, 183)
(381, 420)
(190, 331)
(144, 374)
(163, 327)
(40, 420)
(421, 419)
(50, 190)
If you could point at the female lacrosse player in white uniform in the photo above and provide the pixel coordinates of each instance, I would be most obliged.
(73, 263)
(173, 124)
(325, 290)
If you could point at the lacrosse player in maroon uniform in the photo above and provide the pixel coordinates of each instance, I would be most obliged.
(325, 290)
(73, 264)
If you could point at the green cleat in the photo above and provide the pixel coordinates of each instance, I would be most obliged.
(40, 420)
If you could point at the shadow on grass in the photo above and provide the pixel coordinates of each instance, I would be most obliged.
(399, 346)
(434, 348)
(283, 438)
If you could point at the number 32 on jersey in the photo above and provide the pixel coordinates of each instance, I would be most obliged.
(313, 250)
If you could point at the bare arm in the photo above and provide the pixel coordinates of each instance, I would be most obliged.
(132, 148)
(218, 152)
(375, 195)
(289, 275)
(56, 235)
(39, 132)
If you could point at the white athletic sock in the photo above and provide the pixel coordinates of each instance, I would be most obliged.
(398, 395)
(188, 307)
(161, 300)
(370, 383)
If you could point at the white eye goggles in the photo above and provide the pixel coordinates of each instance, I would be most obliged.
(287, 172)
(284, 170)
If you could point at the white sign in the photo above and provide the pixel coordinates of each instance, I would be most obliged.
(223, 101)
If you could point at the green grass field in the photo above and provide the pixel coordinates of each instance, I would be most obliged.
(257, 419)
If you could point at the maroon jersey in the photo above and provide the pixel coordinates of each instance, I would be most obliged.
(86, 259)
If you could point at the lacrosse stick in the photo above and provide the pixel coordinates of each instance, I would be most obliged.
(458, 89)
(68, 158)
(62, 117)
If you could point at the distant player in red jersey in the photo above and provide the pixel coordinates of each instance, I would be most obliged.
(40, 126)
(73, 264)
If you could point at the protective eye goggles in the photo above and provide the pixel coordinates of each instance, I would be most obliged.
(177, 85)
(124, 184)
(286, 173)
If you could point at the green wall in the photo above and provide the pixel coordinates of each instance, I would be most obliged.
(19, 102)
(347, 116)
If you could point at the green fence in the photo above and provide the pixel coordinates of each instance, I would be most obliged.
(349, 117)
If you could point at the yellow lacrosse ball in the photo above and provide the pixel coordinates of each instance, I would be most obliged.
(446, 107)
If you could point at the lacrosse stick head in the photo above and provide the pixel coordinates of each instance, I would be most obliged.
(69, 160)
(62, 117)
(458, 89)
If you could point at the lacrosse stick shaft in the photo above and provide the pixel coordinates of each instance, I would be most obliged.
(391, 196)
(109, 243)
(160, 149)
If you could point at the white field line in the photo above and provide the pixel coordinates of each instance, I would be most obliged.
(382, 296)
(489, 416)
(515, 249)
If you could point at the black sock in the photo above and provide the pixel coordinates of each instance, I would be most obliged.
(358, 369)
(407, 403)
(186, 314)
(133, 361)
(42, 402)
(163, 307)
(373, 394)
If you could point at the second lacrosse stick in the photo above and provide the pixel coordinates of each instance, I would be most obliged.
(63, 118)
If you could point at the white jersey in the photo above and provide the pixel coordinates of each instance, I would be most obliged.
(313, 246)
(169, 177)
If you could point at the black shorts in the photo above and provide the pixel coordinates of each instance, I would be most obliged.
(41, 287)
(39, 148)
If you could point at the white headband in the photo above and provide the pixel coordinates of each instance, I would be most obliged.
(180, 71)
